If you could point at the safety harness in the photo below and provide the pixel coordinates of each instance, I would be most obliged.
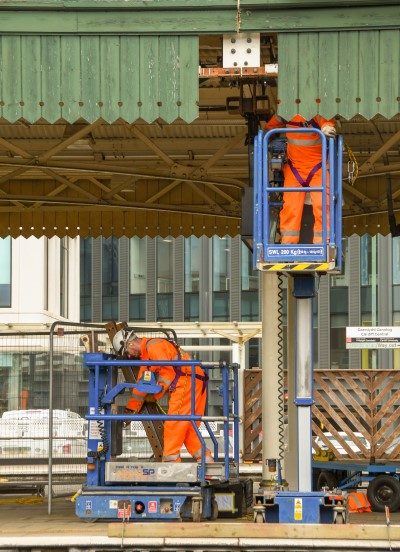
(305, 183)
(179, 372)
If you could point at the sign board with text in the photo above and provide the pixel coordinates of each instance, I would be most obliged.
(373, 337)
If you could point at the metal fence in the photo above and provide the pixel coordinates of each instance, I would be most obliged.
(43, 404)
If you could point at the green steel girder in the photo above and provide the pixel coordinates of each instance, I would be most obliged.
(193, 17)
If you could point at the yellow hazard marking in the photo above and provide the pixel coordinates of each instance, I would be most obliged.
(281, 267)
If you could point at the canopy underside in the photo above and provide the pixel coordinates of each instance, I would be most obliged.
(121, 137)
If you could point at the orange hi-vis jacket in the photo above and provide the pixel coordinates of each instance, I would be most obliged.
(303, 149)
(177, 381)
(303, 170)
(358, 502)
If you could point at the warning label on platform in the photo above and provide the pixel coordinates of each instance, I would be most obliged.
(298, 509)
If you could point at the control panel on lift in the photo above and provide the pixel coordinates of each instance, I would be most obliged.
(305, 256)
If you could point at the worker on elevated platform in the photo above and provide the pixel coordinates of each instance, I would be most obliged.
(303, 169)
(177, 381)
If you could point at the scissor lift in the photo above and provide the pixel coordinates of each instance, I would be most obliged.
(302, 257)
(135, 490)
(303, 261)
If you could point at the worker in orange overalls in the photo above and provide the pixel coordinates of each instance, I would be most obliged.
(303, 169)
(177, 381)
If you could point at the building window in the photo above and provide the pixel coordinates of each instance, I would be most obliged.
(192, 275)
(339, 312)
(86, 279)
(396, 295)
(396, 260)
(221, 277)
(369, 302)
(249, 286)
(338, 280)
(367, 244)
(137, 278)
(5, 272)
(165, 276)
(339, 309)
(110, 278)
(64, 279)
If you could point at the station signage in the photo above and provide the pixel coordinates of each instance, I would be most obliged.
(373, 337)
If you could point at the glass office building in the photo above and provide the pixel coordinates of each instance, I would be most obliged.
(212, 279)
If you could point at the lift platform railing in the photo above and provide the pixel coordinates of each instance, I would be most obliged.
(103, 392)
(324, 256)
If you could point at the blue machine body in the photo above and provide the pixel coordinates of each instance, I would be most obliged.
(268, 184)
(117, 489)
(301, 508)
(301, 261)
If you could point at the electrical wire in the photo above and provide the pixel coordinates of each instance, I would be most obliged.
(281, 388)
(103, 435)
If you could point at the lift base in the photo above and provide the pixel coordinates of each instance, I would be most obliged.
(146, 503)
(299, 507)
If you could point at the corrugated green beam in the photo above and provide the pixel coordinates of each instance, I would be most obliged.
(155, 5)
(328, 19)
(339, 72)
(152, 5)
(198, 21)
(287, 4)
(92, 77)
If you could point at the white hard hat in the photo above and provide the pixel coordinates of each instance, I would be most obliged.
(121, 339)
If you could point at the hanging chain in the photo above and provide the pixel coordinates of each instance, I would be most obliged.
(352, 166)
(238, 19)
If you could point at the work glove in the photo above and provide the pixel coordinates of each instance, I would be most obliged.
(127, 423)
(329, 131)
(150, 398)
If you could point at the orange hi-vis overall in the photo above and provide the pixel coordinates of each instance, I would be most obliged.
(304, 169)
(178, 382)
(358, 502)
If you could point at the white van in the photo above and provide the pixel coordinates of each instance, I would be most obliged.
(24, 433)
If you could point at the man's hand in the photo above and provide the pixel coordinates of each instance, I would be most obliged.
(127, 423)
(329, 131)
(150, 398)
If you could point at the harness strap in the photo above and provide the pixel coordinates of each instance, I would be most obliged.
(304, 183)
(179, 373)
(204, 379)
(178, 369)
(305, 124)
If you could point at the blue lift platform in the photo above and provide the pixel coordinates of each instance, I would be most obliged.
(269, 254)
(128, 490)
(302, 261)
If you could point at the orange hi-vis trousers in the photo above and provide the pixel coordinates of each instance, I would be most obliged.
(293, 203)
(303, 171)
(178, 433)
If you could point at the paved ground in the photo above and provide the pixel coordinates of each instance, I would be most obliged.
(26, 525)
(30, 517)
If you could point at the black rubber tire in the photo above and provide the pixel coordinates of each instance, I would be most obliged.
(326, 479)
(214, 510)
(383, 491)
